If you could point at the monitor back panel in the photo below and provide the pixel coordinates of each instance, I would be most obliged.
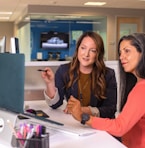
(12, 82)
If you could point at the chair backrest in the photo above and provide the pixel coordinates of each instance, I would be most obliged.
(114, 65)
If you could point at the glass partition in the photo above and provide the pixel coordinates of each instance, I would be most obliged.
(72, 26)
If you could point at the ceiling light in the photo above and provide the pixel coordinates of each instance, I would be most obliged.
(95, 3)
(9, 13)
(27, 18)
(87, 22)
(67, 16)
(4, 18)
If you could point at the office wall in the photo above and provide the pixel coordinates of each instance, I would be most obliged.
(7, 29)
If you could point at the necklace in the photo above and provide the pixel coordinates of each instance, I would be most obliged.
(84, 89)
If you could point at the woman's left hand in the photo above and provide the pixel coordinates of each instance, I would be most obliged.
(74, 108)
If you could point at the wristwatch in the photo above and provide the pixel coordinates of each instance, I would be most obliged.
(85, 118)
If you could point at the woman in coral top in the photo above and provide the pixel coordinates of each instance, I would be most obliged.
(130, 123)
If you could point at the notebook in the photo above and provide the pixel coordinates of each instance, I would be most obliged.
(12, 72)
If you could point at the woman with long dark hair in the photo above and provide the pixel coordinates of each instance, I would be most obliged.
(130, 123)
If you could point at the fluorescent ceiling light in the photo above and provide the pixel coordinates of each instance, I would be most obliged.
(27, 18)
(67, 16)
(4, 18)
(87, 22)
(4, 13)
(95, 3)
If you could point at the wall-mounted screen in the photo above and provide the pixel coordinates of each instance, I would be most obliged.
(54, 40)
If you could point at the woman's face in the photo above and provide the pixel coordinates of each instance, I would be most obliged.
(86, 54)
(129, 56)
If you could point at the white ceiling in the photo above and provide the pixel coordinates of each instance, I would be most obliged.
(18, 6)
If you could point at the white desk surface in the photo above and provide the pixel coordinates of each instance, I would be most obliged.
(100, 139)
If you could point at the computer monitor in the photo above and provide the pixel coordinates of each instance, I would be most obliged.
(14, 45)
(12, 74)
(3, 44)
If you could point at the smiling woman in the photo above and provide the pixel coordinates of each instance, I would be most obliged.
(86, 78)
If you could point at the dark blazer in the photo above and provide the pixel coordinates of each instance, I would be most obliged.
(107, 107)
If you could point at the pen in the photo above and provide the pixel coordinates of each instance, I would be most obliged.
(42, 70)
(29, 136)
(17, 135)
(11, 127)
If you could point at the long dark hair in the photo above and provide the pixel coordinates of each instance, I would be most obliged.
(128, 80)
(98, 73)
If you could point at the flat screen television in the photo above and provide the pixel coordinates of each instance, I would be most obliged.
(3, 44)
(54, 40)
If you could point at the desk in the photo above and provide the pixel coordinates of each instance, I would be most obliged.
(100, 139)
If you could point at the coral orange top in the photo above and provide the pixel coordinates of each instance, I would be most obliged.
(130, 123)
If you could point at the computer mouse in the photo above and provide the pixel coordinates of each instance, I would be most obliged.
(32, 111)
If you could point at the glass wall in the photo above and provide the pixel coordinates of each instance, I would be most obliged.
(41, 30)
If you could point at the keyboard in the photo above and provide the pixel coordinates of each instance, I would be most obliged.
(29, 115)
(75, 130)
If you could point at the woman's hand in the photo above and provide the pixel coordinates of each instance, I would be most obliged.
(74, 108)
(87, 110)
(49, 78)
(48, 75)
